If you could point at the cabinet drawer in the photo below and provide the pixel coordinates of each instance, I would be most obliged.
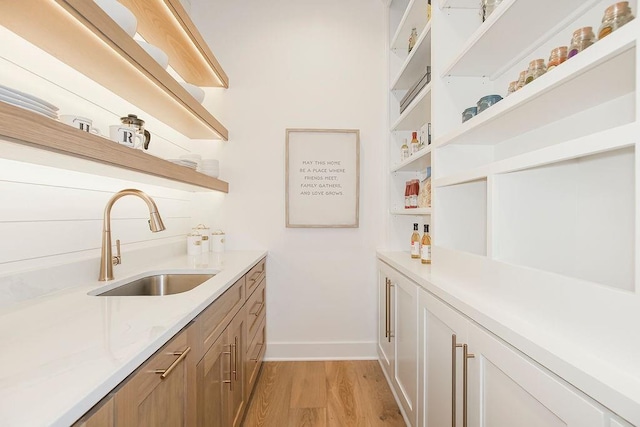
(256, 308)
(255, 354)
(255, 276)
(217, 316)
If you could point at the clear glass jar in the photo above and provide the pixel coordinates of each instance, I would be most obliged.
(487, 7)
(557, 57)
(513, 86)
(536, 69)
(412, 39)
(521, 80)
(582, 39)
(615, 16)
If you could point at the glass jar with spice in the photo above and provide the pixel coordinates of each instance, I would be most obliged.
(615, 16)
(521, 80)
(557, 57)
(582, 39)
(513, 86)
(536, 69)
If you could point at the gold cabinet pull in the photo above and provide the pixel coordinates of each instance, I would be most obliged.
(454, 351)
(235, 358)
(386, 307)
(255, 275)
(164, 373)
(229, 381)
(389, 333)
(465, 377)
(260, 305)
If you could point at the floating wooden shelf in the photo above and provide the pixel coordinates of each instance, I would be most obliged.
(165, 24)
(32, 129)
(82, 35)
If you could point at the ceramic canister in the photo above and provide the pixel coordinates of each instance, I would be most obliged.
(217, 241)
(203, 230)
(194, 244)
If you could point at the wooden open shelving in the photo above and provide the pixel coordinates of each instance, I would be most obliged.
(34, 130)
(81, 34)
(165, 24)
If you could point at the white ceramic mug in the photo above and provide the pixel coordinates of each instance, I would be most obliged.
(126, 135)
(78, 122)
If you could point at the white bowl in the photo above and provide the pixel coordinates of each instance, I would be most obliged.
(120, 14)
(195, 91)
(156, 53)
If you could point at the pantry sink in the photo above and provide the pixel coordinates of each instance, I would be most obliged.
(158, 285)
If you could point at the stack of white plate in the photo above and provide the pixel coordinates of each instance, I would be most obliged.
(28, 102)
(209, 167)
(186, 163)
(195, 158)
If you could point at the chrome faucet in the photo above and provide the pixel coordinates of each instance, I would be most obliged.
(107, 260)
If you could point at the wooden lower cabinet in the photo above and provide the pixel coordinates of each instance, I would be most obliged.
(156, 394)
(213, 377)
(102, 415)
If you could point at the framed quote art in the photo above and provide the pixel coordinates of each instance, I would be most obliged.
(322, 178)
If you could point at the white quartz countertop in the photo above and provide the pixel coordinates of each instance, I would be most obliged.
(610, 374)
(63, 352)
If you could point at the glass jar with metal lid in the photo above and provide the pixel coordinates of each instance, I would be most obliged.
(582, 39)
(615, 16)
(521, 80)
(513, 86)
(536, 69)
(557, 57)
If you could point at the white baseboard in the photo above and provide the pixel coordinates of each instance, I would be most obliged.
(280, 351)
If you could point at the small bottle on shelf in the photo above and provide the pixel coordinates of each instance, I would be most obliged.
(412, 39)
(428, 10)
(407, 194)
(415, 144)
(425, 249)
(415, 242)
(404, 151)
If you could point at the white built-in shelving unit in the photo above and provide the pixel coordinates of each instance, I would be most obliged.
(406, 69)
(531, 181)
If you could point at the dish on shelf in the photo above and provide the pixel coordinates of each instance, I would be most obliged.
(29, 106)
(23, 96)
(187, 163)
(156, 53)
(120, 14)
(194, 91)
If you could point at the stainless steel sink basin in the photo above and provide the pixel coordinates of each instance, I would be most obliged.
(159, 284)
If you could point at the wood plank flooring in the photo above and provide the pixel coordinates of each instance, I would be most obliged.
(322, 394)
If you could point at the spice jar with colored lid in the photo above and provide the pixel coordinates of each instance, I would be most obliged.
(615, 16)
(557, 57)
(582, 39)
(536, 69)
(521, 80)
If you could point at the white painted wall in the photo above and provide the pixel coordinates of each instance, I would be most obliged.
(302, 64)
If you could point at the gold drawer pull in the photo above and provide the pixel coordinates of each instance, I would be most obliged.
(255, 275)
(259, 347)
(260, 305)
(164, 373)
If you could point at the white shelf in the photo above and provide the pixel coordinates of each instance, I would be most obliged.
(417, 113)
(603, 72)
(414, 16)
(460, 4)
(507, 36)
(415, 211)
(415, 163)
(416, 63)
(608, 140)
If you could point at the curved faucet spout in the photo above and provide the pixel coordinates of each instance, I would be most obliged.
(107, 260)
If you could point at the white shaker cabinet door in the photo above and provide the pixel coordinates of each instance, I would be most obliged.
(405, 337)
(442, 331)
(386, 351)
(508, 389)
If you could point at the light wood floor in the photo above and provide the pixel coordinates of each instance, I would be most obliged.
(322, 394)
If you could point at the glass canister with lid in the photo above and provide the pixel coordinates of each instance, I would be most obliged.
(536, 69)
(521, 80)
(557, 57)
(582, 39)
(513, 86)
(487, 7)
(615, 16)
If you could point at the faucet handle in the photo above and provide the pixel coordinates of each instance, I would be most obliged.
(117, 259)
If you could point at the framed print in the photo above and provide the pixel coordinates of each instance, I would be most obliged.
(322, 178)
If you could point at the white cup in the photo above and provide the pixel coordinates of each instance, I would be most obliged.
(126, 135)
(78, 122)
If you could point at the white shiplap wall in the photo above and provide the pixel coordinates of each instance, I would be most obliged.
(50, 215)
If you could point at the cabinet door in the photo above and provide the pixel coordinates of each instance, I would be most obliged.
(237, 333)
(213, 377)
(507, 389)
(385, 313)
(157, 392)
(404, 330)
(442, 331)
(100, 416)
